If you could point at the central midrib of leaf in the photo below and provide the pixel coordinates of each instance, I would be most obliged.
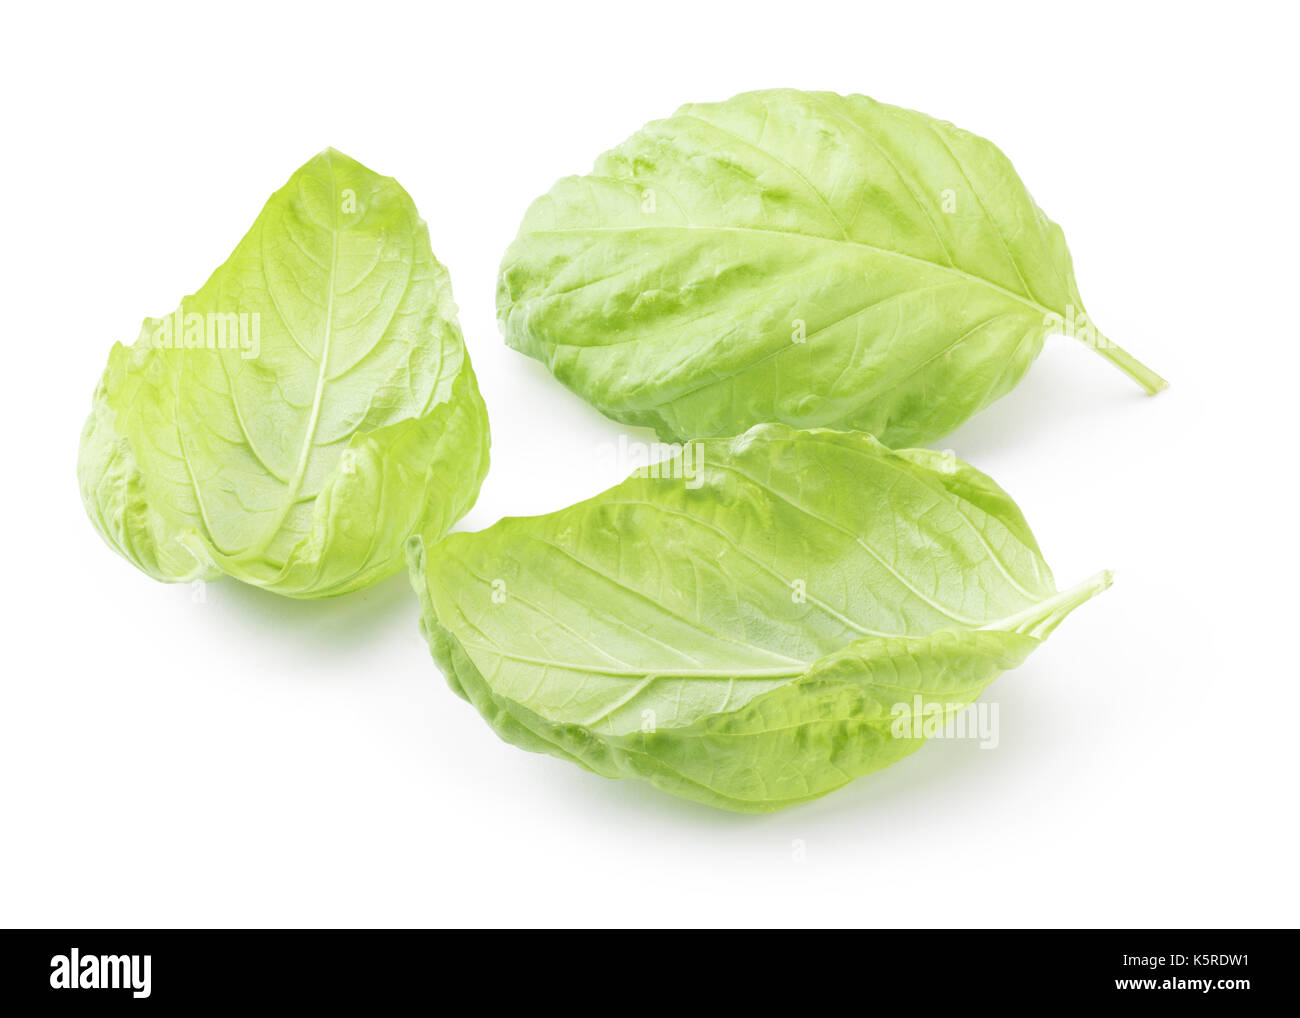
(322, 375)
(1045, 609)
(787, 234)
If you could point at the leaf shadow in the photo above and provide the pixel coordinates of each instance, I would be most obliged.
(1065, 389)
(343, 624)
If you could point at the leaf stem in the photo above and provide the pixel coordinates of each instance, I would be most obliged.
(1129, 364)
(1040, 619)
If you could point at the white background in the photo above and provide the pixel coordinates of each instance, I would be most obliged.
(256, 760)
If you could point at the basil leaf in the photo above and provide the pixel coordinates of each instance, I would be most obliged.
(802, 257)
(302, 414)
(738, 626)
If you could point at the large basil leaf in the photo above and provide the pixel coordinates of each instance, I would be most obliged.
(803, 257)
(738, 626)
(304, 412)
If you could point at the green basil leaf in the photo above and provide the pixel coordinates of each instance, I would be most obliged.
(801, 257)
(302, 414)
(739, 625)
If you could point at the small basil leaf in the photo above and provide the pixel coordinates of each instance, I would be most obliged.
(302, 414)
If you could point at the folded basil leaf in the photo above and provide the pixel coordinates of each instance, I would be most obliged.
(302, 414)
(801, 257)
(740, 625)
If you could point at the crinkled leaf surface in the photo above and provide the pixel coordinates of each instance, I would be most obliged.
(801, 257)
(300, 458)
(740, 633)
